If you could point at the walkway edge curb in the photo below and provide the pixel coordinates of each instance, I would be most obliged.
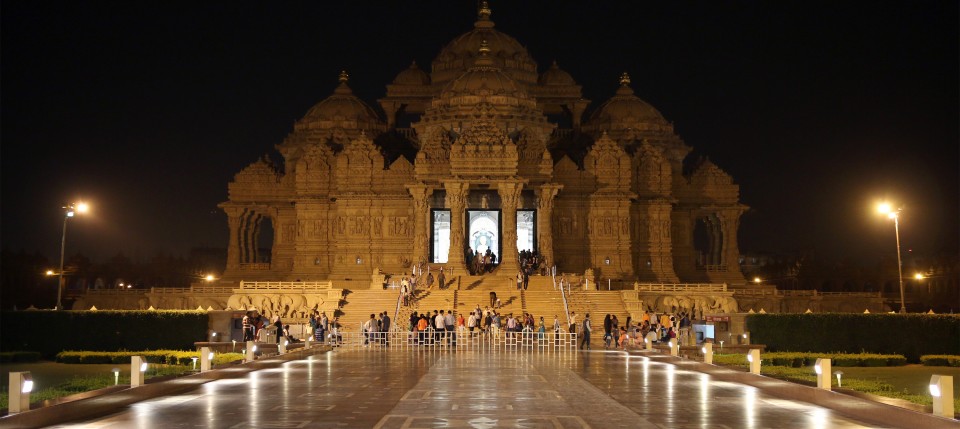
(113, 401)
(850, 406)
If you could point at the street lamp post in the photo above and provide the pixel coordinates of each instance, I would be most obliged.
(885, 208)
(69, 212)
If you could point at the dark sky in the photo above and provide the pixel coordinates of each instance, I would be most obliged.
(148, 109)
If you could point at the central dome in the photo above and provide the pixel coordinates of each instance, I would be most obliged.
(505, 52)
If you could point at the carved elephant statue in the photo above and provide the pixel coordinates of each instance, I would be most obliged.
(239, 302)
(668, 303)
(725, 304)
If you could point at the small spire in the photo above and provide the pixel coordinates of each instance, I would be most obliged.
(483, 12)
(343, 88)
(484, 48)
(624, 79)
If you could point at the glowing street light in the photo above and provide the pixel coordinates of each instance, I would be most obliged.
(918, 276)
(757, 280)
(887, 209)
(69, 212)
(209, 277)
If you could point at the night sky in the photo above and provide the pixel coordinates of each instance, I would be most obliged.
(148, 109)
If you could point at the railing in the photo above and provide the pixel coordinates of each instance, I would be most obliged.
(496, 340)
(680, 287)
(713, 268)
(804, 293)
(113, 291)
(255, 266)
(285, 285)
(566, 309)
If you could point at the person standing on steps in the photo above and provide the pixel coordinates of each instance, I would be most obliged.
(441, 280)
(585, 341)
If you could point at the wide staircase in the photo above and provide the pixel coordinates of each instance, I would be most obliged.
(426, 301)
(475, 290)
(360, 304)
(464, 293)
(598, 304)
(543, 299)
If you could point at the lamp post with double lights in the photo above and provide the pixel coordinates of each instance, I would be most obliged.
(69, 212)
(885, 208)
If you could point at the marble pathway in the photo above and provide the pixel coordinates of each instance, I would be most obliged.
(425, 389)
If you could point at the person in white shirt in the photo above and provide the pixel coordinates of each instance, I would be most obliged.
(439, 325)
(472, 322)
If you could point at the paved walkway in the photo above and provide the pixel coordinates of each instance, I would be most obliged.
(416, 389)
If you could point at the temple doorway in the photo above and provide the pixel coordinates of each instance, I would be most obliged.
(484, 231)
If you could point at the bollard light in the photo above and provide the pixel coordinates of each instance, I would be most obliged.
(753, 357)
(707, 350)
(138, 366)
(282, 347)
(839, 374)
(674, 348)
(745, 338)
(234, 346)
(194, 359)
(306, 342)
(21, 384)
(941, 388)
(116, 376)
(249, 353)
(822, 368)
(721, 346)
(206, 359)
(649, 344)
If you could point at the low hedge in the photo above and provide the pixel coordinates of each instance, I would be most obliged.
(910, 335)
(167, 357)
(8, 357)
(50, 332)
(798, 360)
(940, 360)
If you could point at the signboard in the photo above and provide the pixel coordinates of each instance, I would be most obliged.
(717, 318)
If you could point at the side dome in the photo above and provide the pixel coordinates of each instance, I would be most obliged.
(555, 76)
(341, 110)
(412, 76)
(505, 51)
(627, 111)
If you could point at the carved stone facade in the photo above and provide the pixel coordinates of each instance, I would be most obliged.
(356, 191)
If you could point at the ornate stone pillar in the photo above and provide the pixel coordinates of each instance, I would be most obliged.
(254, 235)
(245, 237)
(509, 199)
(730, 219)
(545, 196)
(421, 220)
(457, 202)
(233, 249)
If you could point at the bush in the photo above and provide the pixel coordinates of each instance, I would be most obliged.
(101, 330)
(911, 335)
(7, 357)
(940, 360)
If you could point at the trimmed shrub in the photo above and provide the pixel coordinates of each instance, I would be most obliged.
(910, 335)
(940, 360)
(7, 357)
(101, 330)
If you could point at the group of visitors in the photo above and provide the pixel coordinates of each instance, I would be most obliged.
(480, 263)
(531, 262)
(256, 327)
(325, 330)
(653, 327)
(409, 285)
(442, 326)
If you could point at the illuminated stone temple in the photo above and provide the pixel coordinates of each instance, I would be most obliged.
(486, 150)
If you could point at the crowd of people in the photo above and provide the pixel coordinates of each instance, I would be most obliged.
(653, 327)
(256, 327)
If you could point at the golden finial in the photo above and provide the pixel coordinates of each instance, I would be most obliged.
(484, 48)
(344, 77)
(624, 79)
(483, 13)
